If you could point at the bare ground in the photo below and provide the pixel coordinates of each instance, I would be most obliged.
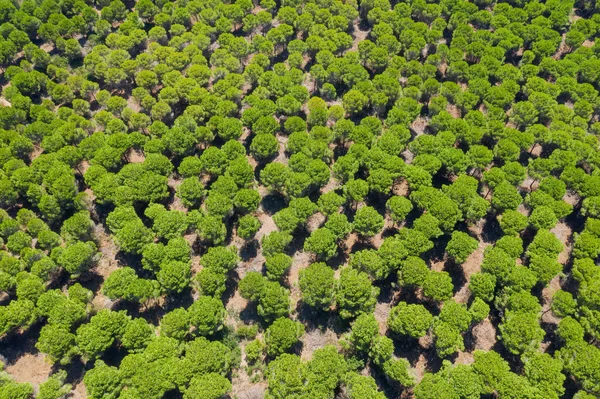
(31, 368)
(382, 312)
(316, 339)
(564, 233)
(300, 261)
(547, 294)
(485, 335)
(359, 36)
(470, 266)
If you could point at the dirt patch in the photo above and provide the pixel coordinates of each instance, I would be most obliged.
(469, 267)
(547, 294)
(382, 313)
(420, 368)
(453, 110)
(136, 156)
(485, 335)
(300, 261)
(571, 198)
(281, 156)
(316, 339)
(79, 391)
(564, 233)
(359, 36)
(315, 221)
(31, 368)
(133, 104)
(419, 125)
(523, 210)
(464, 358)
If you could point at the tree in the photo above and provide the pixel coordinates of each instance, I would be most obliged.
(317, 285)
(448, 339)
(460, 246)
(512, 222)
(354, 101)
(275, 242)
(521, 332)
(133, 236)
(322, 242)
(208, 386)
(364, 330)
(273, 301)
(282, 335)
(543, 217)
(264, 146)
(175, 324)
(434, 386)
(506, 197)
(103, 381)
(412, 320)
(368, 222)
(399, 207)
(58, 342)
(354, 293)
(174, 276)
(137, 335)
(248, 226)
(206, 315)
(277, 265)
(438, 286)
(545, 373)
(482, 285)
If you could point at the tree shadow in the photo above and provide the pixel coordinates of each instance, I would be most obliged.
(249, 250)
(273, 203)
(491, 231)
(17, 344)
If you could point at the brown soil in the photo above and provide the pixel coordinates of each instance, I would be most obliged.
(547, 294)
(316, 339)
(300, 261)
(453, 110)
(485, 335)
(136, 156)
(564, 233)
(419, 125)
(382, 313)
(79, 391)
(472, 265)
(464, 358)
(359, 36)
(31, 368)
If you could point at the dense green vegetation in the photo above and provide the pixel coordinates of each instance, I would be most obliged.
(288, 199)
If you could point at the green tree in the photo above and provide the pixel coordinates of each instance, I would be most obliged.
(317, 285)
(282, 335)
(413, 320)
(460, 246)
(367, 221)
(354, 293)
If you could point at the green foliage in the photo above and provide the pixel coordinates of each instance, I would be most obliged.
(413, 320)
(354, 293)
(282, 335)
(460, 246)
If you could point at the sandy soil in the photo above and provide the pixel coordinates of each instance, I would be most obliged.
(547, 294)
(31, 368)
(300, 261)
(382, 313)
(419, 125)
(472, 265)
(316, 339)
(564, 233)
(485, 335)
(359, 36)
